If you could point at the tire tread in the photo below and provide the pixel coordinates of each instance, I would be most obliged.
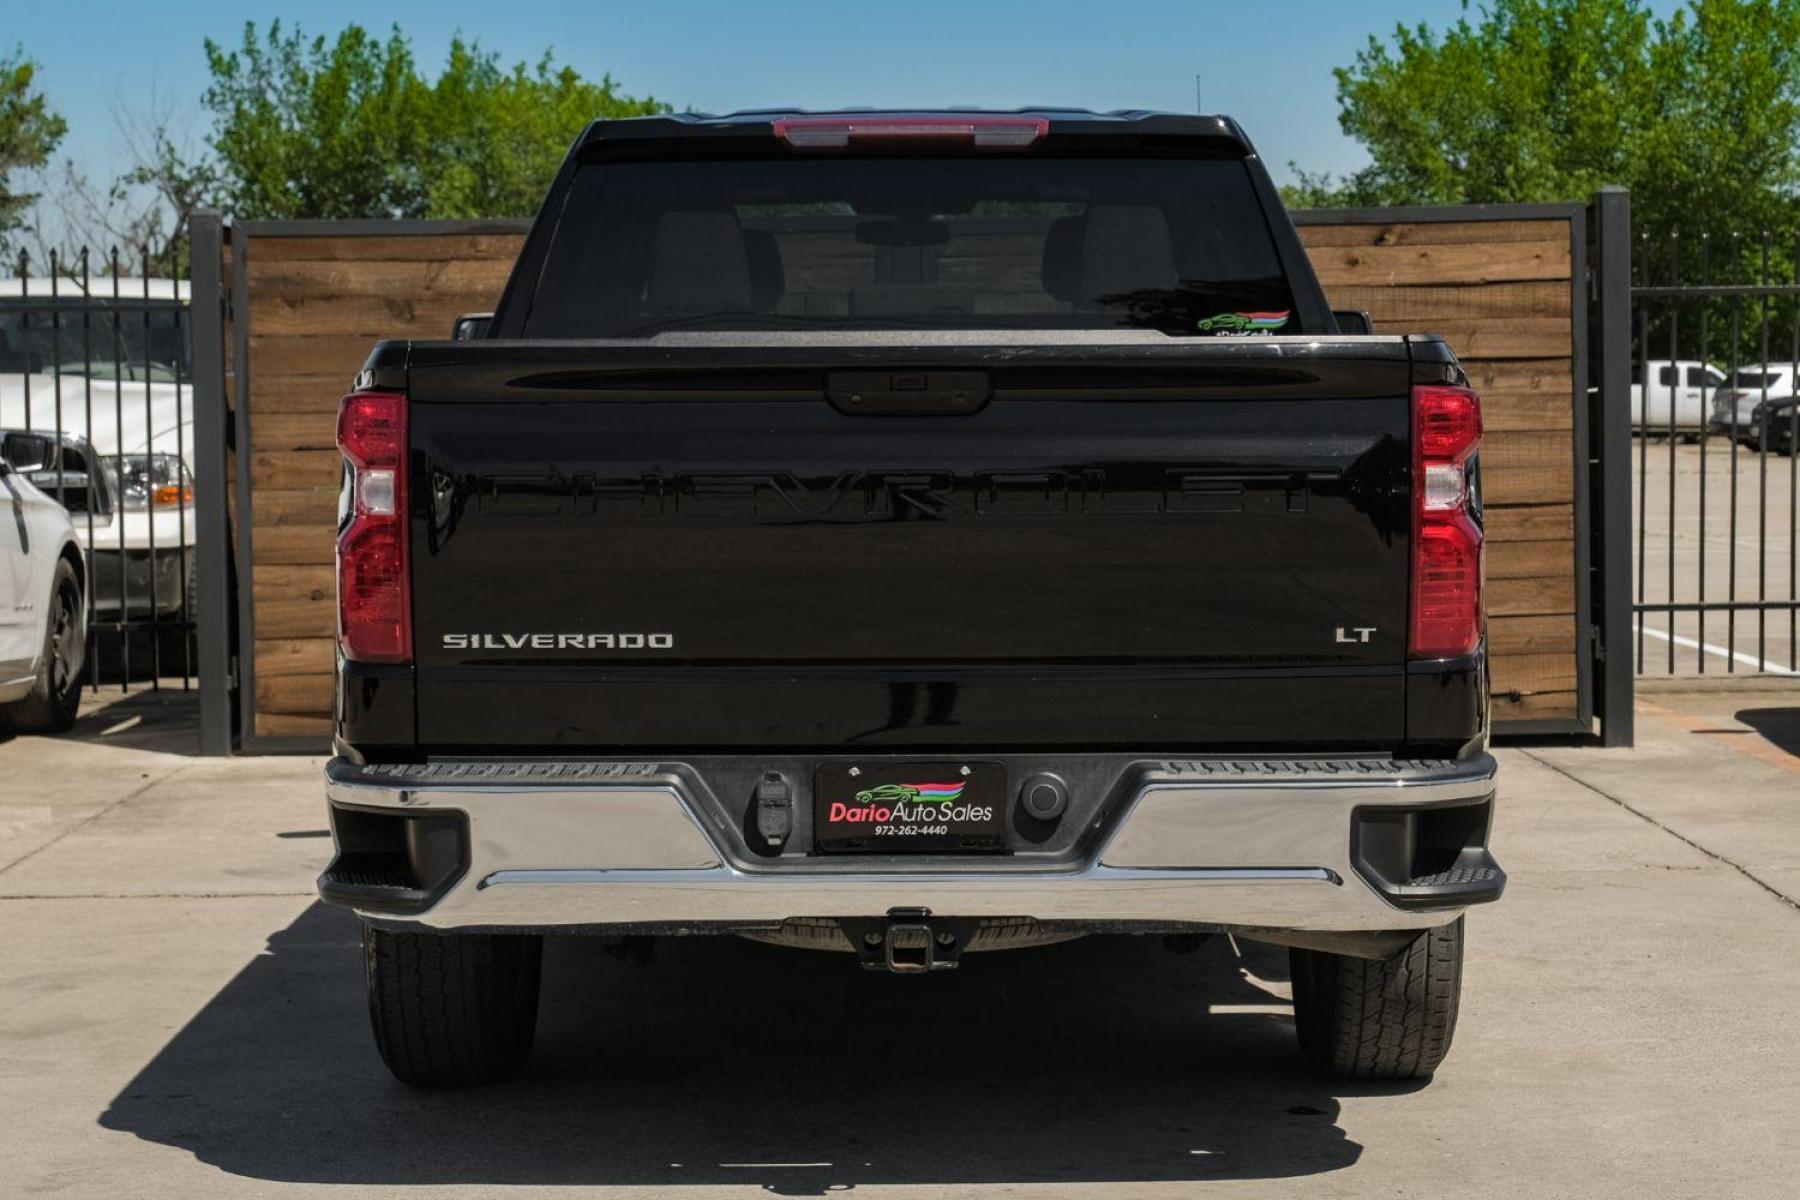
(1380, 1019)
(451, 1010)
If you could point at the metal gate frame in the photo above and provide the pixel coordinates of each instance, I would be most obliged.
(1610, 454)
(216, 632)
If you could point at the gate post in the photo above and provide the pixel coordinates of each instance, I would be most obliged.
(1610, 420)
(213, 625)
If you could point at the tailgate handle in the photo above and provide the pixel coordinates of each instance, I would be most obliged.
(908, 393)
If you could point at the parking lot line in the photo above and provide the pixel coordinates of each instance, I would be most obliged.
(1723, 652)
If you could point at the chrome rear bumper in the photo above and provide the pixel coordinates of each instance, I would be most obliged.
(1242, 845)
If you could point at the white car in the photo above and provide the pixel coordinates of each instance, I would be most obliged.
(1756, 394)
(122, 386)
(1679, 395)
(43, 610)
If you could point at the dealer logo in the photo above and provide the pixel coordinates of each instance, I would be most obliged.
(907, 802)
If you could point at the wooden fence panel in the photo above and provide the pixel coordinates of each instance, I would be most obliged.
(1500, 290)
(314, 304)
(1502, 294)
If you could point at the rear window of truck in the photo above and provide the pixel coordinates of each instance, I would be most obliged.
(1177, 245)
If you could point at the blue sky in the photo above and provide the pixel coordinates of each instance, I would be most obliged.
(1267, 62)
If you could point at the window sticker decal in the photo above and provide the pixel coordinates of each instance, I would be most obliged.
(1243, 324)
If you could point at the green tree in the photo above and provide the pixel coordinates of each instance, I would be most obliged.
(350, 128)
(29, 133)
(1542, 100)
(1723, 154)
(1534, 100)
(306, 128)
(498, 135)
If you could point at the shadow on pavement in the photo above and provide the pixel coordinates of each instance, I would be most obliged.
(1780, 727)
(727, 1062)
(166, 720)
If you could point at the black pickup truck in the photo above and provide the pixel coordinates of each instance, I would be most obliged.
(910, 535)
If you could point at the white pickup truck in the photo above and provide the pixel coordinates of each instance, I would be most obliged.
(1678, 398)
(79, 360)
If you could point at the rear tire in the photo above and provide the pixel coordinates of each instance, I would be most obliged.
(56, 696)
(1374, 1019)
(450, 1010)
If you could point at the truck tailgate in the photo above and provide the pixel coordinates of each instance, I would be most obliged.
(652, 546)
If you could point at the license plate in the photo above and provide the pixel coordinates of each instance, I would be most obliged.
(903, 808)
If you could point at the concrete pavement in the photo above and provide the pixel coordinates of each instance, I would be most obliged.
(178, 1018)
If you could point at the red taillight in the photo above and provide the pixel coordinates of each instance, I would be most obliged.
(984, 131)
(371, 428)
(373, 561)
(1446, 565)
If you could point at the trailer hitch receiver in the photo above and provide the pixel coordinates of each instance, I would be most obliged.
(908, 941)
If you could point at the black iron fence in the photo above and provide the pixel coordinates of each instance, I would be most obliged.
(96, 411)
(1716, 357)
